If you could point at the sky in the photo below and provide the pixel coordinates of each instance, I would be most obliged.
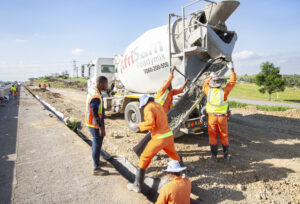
(40, 37)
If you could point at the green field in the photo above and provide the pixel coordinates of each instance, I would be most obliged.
(250, 91)
(234, 104)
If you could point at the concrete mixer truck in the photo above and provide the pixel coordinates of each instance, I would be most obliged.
(197, 43)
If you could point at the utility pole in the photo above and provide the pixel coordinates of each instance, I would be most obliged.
(75, 69)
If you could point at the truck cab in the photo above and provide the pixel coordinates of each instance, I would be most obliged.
(101, 67)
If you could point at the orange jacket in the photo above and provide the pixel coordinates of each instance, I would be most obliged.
(227, 88)
(156, 120)
(177, 191)
(169, 100)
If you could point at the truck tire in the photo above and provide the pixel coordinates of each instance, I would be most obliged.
(133, 116)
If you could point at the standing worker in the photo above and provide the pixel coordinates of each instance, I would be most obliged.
(45, 86)
(178, 190)
(165, 94)
(95, 121)
(14, 91)
(216, 107)
(156, 120)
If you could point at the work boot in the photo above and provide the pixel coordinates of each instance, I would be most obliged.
(100, 172)
(214, 153)
(139, 179)
(226, 156)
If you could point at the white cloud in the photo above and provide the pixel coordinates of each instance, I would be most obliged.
(77, 51)
(21, 41)
(244, 55)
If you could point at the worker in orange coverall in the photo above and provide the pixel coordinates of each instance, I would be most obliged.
(216, 107)
(178, 190)
(165, 95)
(156, 120)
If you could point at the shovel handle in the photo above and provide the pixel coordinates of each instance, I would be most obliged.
(182, 74)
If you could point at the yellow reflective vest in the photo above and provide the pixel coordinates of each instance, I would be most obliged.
(89, 118)
(162, 99)
(215, 101)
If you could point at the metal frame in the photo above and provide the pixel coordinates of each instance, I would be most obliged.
(184, 28)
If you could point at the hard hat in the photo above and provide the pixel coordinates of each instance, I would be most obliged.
(143, 100)
(174, 167)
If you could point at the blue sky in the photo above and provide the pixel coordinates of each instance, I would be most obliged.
(39, 37)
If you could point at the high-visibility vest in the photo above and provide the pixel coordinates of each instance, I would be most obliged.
(13, 88)
(89, 118)
(162, 99)
(215, 101)
(167, 134)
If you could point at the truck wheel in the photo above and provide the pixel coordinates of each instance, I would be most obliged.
(133, 116)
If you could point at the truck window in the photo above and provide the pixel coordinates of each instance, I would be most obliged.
(91, 70)
(108, 69)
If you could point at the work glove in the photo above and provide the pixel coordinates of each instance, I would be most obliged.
(212, 75)
(230, 66)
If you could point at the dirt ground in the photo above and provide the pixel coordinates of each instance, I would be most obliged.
(265, 150)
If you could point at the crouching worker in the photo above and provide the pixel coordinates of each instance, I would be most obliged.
(71, 123)
(178, 189)
(95, 121)
(156, 120)
(216, 107)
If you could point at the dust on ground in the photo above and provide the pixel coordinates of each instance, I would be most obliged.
(265, 150)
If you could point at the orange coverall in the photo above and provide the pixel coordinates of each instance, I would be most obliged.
(216, 123)
(173, 92)
(156, 120)
(177, 191)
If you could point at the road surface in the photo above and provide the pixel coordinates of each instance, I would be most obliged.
(265, 103)
(42, 161)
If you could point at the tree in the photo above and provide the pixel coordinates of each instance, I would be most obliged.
(269, 79)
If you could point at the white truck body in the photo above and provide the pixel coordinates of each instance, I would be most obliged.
(101, 67)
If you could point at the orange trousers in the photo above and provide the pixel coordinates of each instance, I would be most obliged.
(154, 146)
(217, 125)
(15, 93)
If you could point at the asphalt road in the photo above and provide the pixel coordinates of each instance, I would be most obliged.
(43, 161)
(8, 137)
(265, 103)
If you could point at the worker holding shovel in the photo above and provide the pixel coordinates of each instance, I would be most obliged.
(156, 120)
(216, 107)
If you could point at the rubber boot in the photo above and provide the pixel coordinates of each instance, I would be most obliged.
(214, 153)
(225, 151)
(139, 179)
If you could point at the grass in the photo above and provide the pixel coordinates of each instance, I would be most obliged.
(272, 108)
(250, 91)
(78, 79)
(234, 104)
